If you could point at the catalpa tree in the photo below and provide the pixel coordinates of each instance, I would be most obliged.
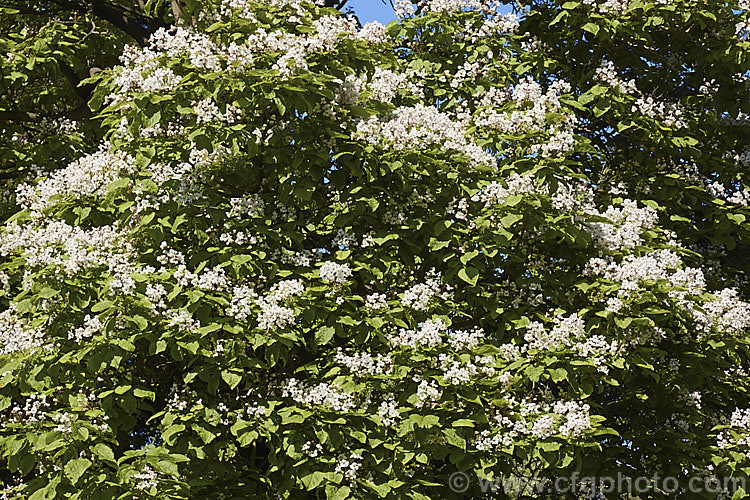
(313, 259)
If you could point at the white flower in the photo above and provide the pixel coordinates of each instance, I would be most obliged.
(362, 363)
(375, 301)
(576, 415)
(625, 231)
(335, 273)
(15, 334)
(321, 394)
(241, 303)
(146, 479)
(429, 334)
(427, 392)
(349, 466)
(465, 339)
(388, 410)
(88, 176)
(419, 295)
(273, 315)
(91, 326)
(420, 127)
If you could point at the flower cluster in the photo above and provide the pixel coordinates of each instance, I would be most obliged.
(182, 320)
(739, 197)
(726, 312)
(34, 410)
(64, 423)
(349, 466)
(142, 72)
(91, 326)
(386, 83)
(566, 330)
(87, 176)
(617, 7)
(626, 227)
(147, 478)
(465, 339)
(178, 41)
(740, 422)
(461, 372)
(312, 450)
(206, 110)
(495, 193)
(180, 399)
(16, 334)
(658, 265)
(241, 303)
(539, 420)
(671, 114)
(246, 206)
(207, 279)
(272, 314)
(388, 410)
(321, 394)
(362, 363)
(376, 301)
(530, 113)
(335, 273)
(428, 392)
(429, 334)
(67, 248)
(420, 127)
(418, 296)
(490, 8)
(607, 74)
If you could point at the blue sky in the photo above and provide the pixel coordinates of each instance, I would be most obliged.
(372, 10)
(377, 10)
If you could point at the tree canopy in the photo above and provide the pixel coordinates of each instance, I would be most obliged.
(261, 250)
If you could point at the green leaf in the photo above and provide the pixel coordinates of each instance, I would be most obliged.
(341, 493)
(312, 479)
(101, 306)
(209, 328)
(231, 378)
(510, 219)
(47, 492)
(170, 432)
(47, 293)
(167, 467)
(534, 372)
(558, 374)
(462, 422)
(623, 322)
(547, 446)
(465, 258)
(103, 451)
(247, 438)
(591, 28)
(144, 394)
(469, 274)
(75, 468)
(324, 334)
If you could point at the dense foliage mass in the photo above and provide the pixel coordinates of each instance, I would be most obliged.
(291, 256)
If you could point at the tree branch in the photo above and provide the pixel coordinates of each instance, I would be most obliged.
(70, 75)
(134, 24)
(20, 116)
(337, 4)
(176, 10)
(80, 111)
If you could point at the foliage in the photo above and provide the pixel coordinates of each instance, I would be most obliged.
(314, 259)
